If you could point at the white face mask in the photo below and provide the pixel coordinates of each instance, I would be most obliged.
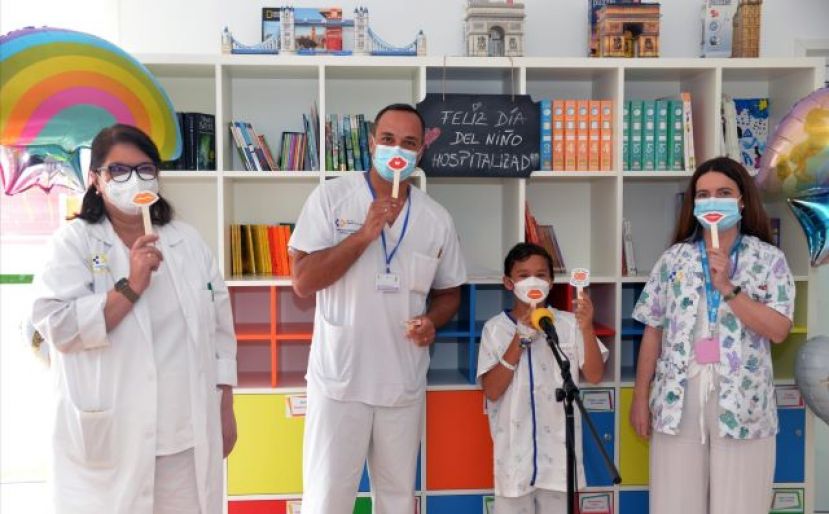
(532, 290)
(120, 194)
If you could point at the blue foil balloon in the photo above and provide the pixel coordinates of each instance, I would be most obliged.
(811, 208)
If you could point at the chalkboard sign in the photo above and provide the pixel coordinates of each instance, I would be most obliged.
(480, 135)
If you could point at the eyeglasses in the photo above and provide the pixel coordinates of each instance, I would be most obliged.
(122, 172)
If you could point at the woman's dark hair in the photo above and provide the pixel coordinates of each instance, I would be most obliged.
(523, 251)
(754, 221)
(92, 207)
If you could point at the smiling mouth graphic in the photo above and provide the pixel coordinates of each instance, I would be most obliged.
(535, 294)
(397, 163)
(144, 198)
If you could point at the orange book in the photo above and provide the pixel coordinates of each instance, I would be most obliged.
(273, 240)
(279, 238)
(558, 135)
(569, 135)
(593, 143)
(606, 136)
(286, 236)
(582, 134)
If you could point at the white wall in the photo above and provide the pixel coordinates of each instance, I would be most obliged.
(553, 27)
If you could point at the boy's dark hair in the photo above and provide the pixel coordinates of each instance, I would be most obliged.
(403, 108)
(522, 252)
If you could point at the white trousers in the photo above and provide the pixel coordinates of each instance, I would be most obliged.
(176, 491)
(539, 501)
(341, 436)
(722, 476)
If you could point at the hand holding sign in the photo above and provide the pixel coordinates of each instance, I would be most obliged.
(144, 200)
(580, 278)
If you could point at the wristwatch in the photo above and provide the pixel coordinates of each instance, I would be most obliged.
(732, 294)
(123, 287)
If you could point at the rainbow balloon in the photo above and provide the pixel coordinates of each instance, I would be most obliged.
(60, 88)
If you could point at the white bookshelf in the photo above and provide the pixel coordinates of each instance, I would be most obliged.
(586, 208)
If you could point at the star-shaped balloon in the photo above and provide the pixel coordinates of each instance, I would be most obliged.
(811, 208)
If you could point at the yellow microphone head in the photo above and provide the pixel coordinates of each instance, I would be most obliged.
(539, 314)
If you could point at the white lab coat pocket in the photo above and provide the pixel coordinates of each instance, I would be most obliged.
(337, 355)
(422, 273)
(90, 432)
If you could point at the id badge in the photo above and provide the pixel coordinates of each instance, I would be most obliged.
(707, 350)
(388, 282)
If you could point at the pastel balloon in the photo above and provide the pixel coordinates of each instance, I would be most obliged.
(59, 88)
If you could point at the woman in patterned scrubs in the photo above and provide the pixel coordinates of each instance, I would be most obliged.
(704, 391)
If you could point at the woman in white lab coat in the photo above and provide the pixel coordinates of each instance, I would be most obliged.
(143, 350)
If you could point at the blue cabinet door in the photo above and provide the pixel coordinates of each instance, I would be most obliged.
(633, 502)
(790, 446)
(455, 504)
(594, 469)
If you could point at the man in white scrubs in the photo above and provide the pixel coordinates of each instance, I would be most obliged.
(373, 262)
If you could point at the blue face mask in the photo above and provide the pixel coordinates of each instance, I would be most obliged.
(711, 210)
(388, 159)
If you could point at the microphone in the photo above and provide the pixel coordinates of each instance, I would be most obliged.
(542, 319)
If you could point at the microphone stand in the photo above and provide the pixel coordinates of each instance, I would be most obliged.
(569, 393)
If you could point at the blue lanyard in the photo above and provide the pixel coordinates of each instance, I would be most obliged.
(390, 256)
(712, 296)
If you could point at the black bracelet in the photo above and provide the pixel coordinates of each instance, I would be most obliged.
(733, 294)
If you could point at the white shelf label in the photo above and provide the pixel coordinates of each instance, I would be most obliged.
(787, 501)
(788, 396)
(595, 504)
(293, 507)
(598, 401)
(296, 405)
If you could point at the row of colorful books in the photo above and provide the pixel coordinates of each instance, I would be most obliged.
(198, 138)
(576, 135)
(658, 135)
(545, 236)
(346, 142)
(254, 151)
(298, 149)
(260, 250)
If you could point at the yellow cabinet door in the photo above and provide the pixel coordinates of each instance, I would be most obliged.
(267, 458)
(633, 450)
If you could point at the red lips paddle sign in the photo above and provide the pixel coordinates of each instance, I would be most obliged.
(713, 218)
(397, 164)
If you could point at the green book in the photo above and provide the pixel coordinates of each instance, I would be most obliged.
(648, 135)
(675, 136)
(661, 163)
(626, 135)
(636, 120)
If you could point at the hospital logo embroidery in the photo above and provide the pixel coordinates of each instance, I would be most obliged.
(347, 226)
(100, 263)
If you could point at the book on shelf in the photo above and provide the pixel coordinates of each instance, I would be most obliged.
(730, 146)
(260, 249)
(628, 255)
(546, 149)
(576, 135)
(752, 125)
(198, 142)
(544, 236)
(658, 135)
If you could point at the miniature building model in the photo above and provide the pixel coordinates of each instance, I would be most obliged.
(627, 29)
(494, 28)
(747, 29)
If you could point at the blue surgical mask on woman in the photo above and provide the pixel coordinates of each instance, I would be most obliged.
(388, 159)
(728, 207)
